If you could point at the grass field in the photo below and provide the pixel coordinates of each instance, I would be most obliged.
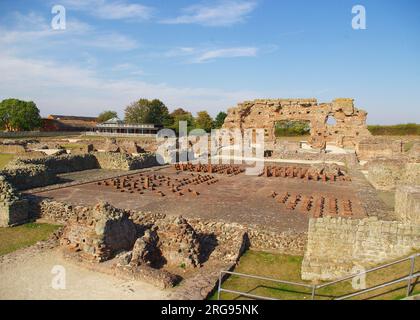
(5, 159)
(14, 238)
(395, 130)
(286, 267)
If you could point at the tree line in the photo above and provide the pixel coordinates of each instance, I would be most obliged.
(156, 112)
(19, 115)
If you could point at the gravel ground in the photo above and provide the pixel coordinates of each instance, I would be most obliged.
(27, 274)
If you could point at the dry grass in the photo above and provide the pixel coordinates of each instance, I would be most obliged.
(5, 159)
(288, 268)
(14, 238)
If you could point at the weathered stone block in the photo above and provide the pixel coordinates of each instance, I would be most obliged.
(407, 203)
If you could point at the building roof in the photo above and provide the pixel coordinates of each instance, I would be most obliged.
(114, 121)
(77, 118)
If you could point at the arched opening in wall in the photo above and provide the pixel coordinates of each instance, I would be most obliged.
(331, 121)
(292, 128)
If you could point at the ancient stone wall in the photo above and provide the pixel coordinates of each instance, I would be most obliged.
(336, 245)
(259, 238)
(350, 126)
(27, 173)
(27, 176)
(99, 233)
(378, 147)
(385, 174)
(12, 148)
(13, 208)
(122, 161)
(60, 164)
(407, 203)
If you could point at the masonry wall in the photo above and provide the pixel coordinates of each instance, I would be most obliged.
(350, 124)
(259, 238)
(407, 204)
(62, 164)
(336, 245)
(121, 161)
(29, 176)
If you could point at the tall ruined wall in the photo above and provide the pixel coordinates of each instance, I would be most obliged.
(336, 245)
(350, 124)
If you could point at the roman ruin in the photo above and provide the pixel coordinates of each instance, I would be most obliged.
(349, 129)
(175, 226)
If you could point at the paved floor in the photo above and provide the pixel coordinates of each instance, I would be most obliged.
(240, 198)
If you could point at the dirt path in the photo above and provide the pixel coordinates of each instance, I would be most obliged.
(29, 276)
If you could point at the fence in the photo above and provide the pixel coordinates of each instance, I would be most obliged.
(35, 134)
(314, 287)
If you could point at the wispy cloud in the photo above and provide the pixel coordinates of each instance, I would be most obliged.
(111, 10)
(32, 27)
(76, 90)
(224, 13)
(128, 69)
(226, 53)
(203, 55)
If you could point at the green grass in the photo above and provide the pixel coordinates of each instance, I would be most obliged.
(5, 159)
(286, 267)
(14, 238)
(395, 130)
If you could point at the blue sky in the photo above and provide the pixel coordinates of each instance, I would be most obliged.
(210, 55)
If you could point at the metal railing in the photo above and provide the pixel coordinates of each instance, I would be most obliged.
(314, 287)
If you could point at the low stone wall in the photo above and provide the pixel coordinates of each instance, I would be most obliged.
(385, 174)
(259, 238)
(29, 176)
(13, 208)
(12, 148)
(60, 164)
(28, 173)
(412, 174)
(113, 160)
(336, 245)
(407, 204)
(376, 147)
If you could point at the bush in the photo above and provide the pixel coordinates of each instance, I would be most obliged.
(292, 128)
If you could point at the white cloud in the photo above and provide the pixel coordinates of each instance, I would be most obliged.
(202, 55)
(31, 28)
(67, 89)
(111, 10)
(128, 69)
(224, 13)
(226, 53)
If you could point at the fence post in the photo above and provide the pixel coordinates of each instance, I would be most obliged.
(219, 285)
(413, 259)
(313, 292)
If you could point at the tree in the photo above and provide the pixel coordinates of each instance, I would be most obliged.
(220, 119)
(204, 121)
(181, 115)
(18, 115)
(147, 111)
(106, 115)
